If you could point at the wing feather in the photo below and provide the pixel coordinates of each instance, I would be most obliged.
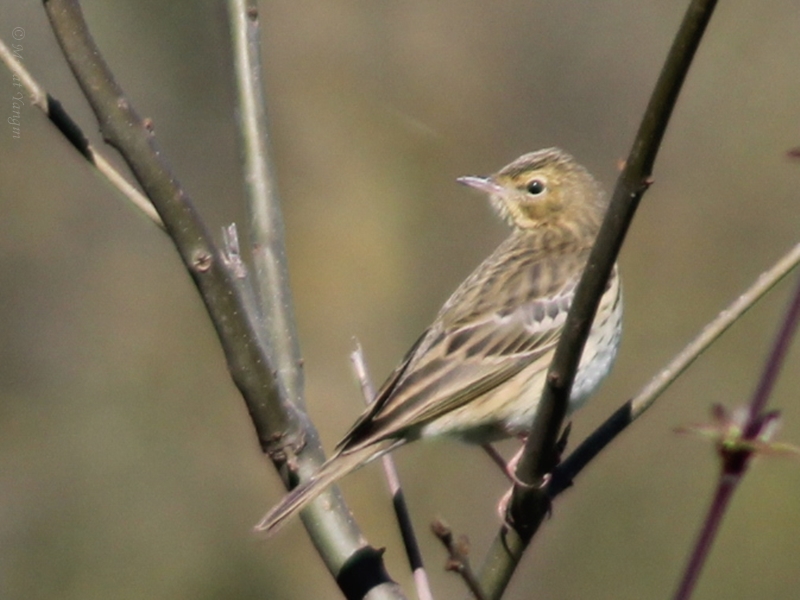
(474, 344)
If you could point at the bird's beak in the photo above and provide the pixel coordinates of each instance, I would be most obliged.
(483, 184)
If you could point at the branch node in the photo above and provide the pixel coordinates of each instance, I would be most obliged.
(555, 379)
(457, 556)
(201, 260)
(283, 448)
(231, 254)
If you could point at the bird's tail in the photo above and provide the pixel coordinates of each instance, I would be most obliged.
(334, 468)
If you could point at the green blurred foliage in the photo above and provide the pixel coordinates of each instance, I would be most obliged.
(128, 467)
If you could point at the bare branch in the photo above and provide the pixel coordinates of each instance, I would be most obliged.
(458, 557)
(529, 504)
(122, 128)
(633, 409)
(284, 432)
(263, 204)
(736, 451)
(59, 117)
(398, 497)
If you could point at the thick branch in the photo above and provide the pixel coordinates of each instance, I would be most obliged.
(123, 129)
(283, 431)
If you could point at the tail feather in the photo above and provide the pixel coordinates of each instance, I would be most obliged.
(334, 469)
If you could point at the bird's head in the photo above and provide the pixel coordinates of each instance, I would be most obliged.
(546, 189)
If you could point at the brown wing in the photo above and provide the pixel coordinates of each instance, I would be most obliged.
(475, 344)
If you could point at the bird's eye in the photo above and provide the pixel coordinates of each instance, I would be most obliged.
(535, 187)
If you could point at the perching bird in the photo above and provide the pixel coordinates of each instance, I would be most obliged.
(478, 371)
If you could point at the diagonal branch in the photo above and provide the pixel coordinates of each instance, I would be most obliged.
(54, 110)
(284, 432)
(529, 506)
(737, 447)
(565, 472)
(123, 129)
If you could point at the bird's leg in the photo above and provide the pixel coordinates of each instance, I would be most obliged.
(510, 467)
(502, 505)
(507, 468)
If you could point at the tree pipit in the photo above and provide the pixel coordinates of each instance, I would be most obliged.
(478, 371)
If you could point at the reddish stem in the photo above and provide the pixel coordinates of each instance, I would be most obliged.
(736, 459)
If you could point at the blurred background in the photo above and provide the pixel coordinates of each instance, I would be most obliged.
(128, 465)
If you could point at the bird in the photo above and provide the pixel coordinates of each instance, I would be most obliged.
(478, 371)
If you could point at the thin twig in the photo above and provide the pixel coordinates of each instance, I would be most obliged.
(564, 473)
(735, 454)
(711, 523)
(765, 282)
(284, 432)
(393, 479)
(530, 504)
(458, 557)
(232, 257)
(58, 116)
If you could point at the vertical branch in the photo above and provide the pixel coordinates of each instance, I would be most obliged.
(328, 521)
(529, 505)
(393, 480)
(273, 307)
(263, 204)
(713, 519)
